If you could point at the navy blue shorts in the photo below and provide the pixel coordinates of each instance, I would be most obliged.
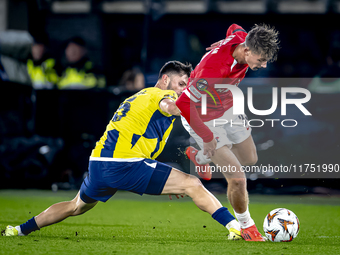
(106, 177)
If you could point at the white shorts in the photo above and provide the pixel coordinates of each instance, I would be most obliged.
(228, 130)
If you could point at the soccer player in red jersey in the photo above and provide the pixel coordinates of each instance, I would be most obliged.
(224, 144)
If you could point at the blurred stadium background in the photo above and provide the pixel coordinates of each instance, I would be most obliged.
(46, 136)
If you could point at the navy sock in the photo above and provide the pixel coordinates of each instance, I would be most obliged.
(223, 216)
(29, 226)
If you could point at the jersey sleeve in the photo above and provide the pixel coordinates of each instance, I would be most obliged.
(189, 112)
(165, 94)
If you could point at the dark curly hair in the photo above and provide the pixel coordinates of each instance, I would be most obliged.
(263, 40)
(177, 67)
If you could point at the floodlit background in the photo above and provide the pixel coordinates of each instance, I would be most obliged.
(47, 134)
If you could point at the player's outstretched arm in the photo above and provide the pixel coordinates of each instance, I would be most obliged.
(169, 106)
(215, 44)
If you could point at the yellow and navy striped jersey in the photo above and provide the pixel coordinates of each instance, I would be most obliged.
(138, 129)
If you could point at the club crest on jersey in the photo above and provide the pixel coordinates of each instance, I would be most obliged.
(202, 84)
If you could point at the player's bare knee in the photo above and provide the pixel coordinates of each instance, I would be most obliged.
(83, 207)
(237, 183)
(75, 207)
(251, 160)
(193, 184)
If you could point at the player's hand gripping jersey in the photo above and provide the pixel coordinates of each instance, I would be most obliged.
(138, 129)
(216, 67)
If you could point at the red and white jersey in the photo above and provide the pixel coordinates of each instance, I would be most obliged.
(216, 67)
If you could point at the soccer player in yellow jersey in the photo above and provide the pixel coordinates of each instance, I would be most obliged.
(124, 158)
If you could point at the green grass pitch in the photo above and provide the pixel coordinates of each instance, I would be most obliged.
(131, 224)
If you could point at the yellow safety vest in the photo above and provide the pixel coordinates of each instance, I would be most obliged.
(80, 79)
(43, 75)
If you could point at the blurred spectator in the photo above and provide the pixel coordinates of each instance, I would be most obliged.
(328, 80)
(41, 66)
(79, 72)
(132, 80)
